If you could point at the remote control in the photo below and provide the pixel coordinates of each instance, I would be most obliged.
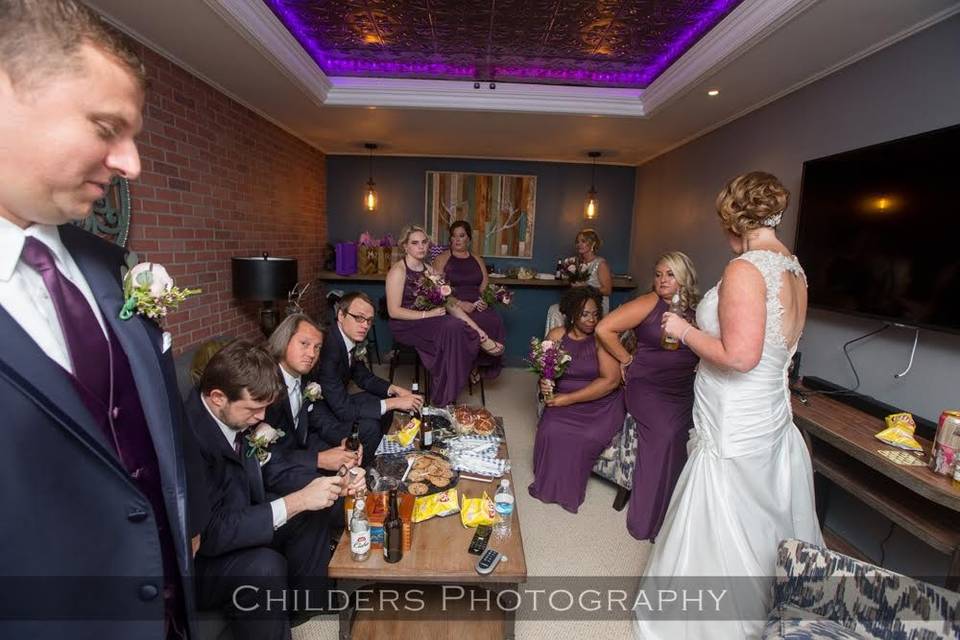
(489, 561)
(480, 539)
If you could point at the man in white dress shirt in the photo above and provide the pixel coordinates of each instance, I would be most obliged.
(91, 420)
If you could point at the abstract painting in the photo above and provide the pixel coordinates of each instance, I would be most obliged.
(501, 209)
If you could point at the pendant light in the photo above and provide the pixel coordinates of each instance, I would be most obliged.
(370, 200)
(592, 206)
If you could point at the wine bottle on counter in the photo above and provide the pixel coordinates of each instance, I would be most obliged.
(559, 273)
(393, 532)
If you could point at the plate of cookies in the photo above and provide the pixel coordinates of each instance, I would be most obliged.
(474, 420)
(429, 473)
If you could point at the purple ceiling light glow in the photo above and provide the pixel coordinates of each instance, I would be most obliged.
(645, 44)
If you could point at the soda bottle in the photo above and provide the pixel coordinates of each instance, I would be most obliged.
(669, 342)
(360, 531)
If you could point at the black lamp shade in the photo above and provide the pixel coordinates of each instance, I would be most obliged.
(263, 278)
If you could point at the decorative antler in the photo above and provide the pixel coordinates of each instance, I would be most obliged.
(295, 296)
(513, 219)
(447, 213)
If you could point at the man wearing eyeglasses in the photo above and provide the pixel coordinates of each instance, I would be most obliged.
(339, 366)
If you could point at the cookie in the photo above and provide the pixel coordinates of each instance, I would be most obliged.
(417, 489)
(439, 481)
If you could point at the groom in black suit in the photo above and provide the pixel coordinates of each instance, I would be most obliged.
(340, 364)
(92, 457)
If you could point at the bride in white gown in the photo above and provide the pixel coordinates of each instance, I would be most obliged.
(748, 482)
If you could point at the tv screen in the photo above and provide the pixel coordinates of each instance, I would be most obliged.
(879, 230)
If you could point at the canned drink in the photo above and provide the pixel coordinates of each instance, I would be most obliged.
(946, 446)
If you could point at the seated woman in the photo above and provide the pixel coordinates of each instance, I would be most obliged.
(467, 275)
(447, 344)
(586, 411)
(659, 389)
(587, 244)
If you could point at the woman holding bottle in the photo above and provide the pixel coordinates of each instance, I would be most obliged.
(659, 387)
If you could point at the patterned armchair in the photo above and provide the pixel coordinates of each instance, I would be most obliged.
(618, 461)
(824, 594)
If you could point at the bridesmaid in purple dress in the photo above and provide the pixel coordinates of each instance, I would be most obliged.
(447, 343)
(586, 408)
(659, 390)
(468, 276)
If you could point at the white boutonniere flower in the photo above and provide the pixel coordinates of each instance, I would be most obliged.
(313, 392)
(260, 440)
(149, 290)
(360, 351)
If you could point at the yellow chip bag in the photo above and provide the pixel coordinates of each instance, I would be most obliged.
(899, 432)
(477, 511)
(406, 435)
(439, 504)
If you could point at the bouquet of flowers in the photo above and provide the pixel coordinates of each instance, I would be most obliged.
(547, 359)
(497, 294)
(574, 270)
(432, 291)
(148, 290)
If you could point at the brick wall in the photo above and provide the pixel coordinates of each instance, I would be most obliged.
(220, 181)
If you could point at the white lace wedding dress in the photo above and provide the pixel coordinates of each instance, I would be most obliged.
(747, 484)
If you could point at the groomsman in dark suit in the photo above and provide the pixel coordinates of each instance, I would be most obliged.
(257, 550)
(340, 365)
(299, 412)
(92, 458)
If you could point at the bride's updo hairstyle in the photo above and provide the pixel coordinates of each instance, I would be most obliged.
(750, 201)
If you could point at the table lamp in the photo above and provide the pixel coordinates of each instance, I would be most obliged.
(264, 279)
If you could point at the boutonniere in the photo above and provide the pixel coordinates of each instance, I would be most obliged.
(148, 290)
(360, 351)
(313, 392)
(260, 440)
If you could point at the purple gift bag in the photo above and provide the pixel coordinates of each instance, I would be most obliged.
(346, 258)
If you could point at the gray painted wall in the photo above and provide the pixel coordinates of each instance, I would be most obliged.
(910, 87)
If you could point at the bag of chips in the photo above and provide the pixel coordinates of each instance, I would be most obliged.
(406, 435)
(899, 432)
(440, 504)
(478, 511)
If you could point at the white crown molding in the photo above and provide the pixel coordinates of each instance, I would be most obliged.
(748, 24)
(456, 156)
(860, 55)
(461, 95)
(150, 44)
(258, 26)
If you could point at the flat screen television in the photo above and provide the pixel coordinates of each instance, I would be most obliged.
(878, 231)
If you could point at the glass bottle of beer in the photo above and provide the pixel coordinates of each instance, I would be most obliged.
(669, 342)
(353, 442)
(360, 531)
(393, 532)
(426, 434)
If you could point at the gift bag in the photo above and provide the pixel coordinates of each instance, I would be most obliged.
(368, 259)
(383, 259)
(346, 258)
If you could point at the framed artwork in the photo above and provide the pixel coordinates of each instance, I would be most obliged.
(501, 208)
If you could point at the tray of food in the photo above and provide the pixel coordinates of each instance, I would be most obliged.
(429, 473)
(474, 421)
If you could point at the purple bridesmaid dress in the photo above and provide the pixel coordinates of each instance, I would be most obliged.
(465, 276)
(569, 439)
(447, 346)
(659, 396)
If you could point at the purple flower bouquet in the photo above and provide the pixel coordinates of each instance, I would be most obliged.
(547, 359)
(432, 291)
(497, 294)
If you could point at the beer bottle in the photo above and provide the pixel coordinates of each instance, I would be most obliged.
(669, 342)
(353, 442)
(392, 531)
(360, 531)
(559, 273)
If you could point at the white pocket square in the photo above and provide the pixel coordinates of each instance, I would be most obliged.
(310, 408)
(167, 341)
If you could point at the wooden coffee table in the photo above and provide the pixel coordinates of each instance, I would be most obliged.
(438, 556)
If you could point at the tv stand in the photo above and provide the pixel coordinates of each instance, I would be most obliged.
(844, 452)
(871, 406)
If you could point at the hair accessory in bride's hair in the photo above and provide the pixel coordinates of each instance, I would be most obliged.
(772, 221)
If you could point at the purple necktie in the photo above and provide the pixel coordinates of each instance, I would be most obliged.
(88, 347)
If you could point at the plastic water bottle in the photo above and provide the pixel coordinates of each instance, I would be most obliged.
(503, 503)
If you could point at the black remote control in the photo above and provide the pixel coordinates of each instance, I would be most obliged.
(480, 538)
(489, 561)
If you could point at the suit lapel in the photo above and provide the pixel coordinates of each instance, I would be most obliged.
(51, 388)
(103, 277)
